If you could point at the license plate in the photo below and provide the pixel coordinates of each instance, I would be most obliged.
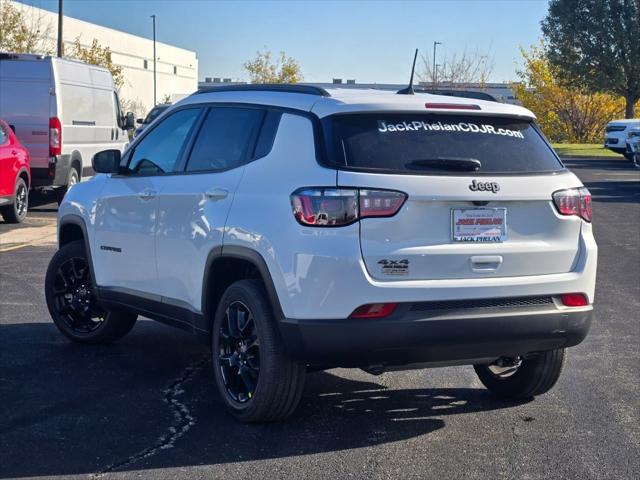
(479, 225)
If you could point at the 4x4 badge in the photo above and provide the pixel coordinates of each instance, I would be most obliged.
(484, 186)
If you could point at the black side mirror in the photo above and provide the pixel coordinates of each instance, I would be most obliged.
(106, 161)
(140, 121)
(129, 121)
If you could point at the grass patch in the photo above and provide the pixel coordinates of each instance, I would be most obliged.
(583, 150)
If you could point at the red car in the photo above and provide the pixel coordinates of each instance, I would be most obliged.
(15, 176)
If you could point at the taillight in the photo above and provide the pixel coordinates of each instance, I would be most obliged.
(322, 207)
(55, 136)
(574, 300)
(374, 310)
(574, 201)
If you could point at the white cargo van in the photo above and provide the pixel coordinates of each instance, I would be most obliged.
(63, 111)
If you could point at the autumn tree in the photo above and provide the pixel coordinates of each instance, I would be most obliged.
(596, 44)
(97, 55)
(22, 34)
(460, 68)
(264, 69)
(565, 113)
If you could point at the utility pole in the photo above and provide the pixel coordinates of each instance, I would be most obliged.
(154, 60)
(60, 16)
(435, 78)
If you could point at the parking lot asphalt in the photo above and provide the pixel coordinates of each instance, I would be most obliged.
(146, 406)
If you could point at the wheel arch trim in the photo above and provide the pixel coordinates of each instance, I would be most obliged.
(78, 221)
(251, 256)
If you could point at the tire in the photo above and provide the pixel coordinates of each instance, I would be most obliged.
(628, 156)
(272, 390)
(534, 376)
(74, 177)
(17, 211)
(72, 303)
(636, 159)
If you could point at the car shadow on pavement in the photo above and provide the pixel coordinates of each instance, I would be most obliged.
(603, 163)
(149, 401)
(615, 191)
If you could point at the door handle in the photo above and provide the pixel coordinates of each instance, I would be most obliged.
(486, 263)
(217, 194)
(147, 194)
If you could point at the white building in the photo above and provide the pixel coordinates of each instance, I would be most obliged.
(177, 68)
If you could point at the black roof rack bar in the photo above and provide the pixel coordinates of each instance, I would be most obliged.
(268, 87)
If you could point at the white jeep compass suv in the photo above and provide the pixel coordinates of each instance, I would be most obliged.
(294, 227)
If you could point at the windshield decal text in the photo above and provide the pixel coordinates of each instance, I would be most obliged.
(465, 127)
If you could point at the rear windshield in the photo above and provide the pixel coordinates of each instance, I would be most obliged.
(437, 144)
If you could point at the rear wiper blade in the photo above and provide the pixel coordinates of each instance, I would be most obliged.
(448, 163)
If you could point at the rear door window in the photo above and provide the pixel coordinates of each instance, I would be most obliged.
(437, 144)
(226, 139)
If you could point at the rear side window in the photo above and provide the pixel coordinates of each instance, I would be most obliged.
(4, 135)
(437, 144)
(226, 139)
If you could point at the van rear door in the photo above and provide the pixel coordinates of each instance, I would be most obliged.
(479, 195)
(26, 103)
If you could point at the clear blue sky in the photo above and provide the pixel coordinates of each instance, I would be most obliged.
(371, 41)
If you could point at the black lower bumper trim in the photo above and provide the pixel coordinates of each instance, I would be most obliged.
(401, 341)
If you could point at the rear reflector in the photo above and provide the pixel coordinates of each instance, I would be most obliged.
(574, 300)
(374, 310)
(452, 106)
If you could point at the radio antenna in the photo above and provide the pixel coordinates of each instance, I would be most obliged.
(409, 89)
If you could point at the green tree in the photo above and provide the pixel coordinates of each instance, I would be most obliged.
(19, 34)
(263, 69)
(596, 44)
(98, 55)
(565, 113)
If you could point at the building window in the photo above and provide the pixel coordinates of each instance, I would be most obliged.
(175, 70)
(146, 64)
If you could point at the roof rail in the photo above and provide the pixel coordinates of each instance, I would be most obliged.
(268, 87)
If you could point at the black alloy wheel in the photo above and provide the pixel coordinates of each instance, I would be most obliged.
(74, 299)
(73, 303)
(239, 352)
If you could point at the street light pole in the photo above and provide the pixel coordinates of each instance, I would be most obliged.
(436, 70)
(154, 60)
(60, 16)
(435, 78)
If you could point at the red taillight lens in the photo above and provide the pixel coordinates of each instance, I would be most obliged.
(374, 310)
(326, 207)
(55, 136)
(380, 203)
(574, 300)
(574, 201)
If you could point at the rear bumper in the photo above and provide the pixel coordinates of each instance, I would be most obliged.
(409, 337)
(57, 174)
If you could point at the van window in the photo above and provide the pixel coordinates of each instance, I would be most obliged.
(160, 150)
(437, 144)
(226, 138)
(104, 107)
